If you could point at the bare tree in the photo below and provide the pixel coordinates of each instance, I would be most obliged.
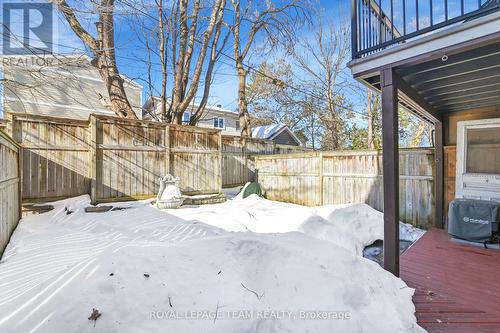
(373, 117)
(185, 50)
(321, 61)
(186, 82)
(276, 22)
(215, 53)
(103, 50)
(271, 96)
(163, 37)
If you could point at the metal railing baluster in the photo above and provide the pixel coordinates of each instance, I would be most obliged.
(374, 30)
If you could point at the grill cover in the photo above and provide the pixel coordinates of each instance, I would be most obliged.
(474, 220)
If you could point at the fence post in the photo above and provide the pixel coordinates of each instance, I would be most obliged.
(20, 183)
(246, 158)
(320, 180)
(167, 149)
(93, 160)
(219, 176)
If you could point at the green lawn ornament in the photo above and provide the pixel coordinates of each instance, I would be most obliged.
(252, 188)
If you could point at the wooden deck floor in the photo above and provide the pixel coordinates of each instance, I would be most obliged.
(457, 286)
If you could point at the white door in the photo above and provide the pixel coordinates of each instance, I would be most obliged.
(478, 159)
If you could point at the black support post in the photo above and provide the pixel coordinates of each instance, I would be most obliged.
(439, 177)
(390, 157)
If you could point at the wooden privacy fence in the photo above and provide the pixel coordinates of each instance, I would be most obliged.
(10, 197)
(238, 157)
(113, 158)
(315, 179)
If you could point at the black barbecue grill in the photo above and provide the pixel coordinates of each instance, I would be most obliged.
(474, 220)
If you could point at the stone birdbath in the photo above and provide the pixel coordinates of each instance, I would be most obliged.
(169, 196)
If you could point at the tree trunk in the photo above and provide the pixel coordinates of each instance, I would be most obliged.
(246, 130)
(163, 62)
(114, 84)
(214, 55)
(313, 134)
(107, 64)
(103, 50)
(177, 118)
(369, 112)
(177, 92)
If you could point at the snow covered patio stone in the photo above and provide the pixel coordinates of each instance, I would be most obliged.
(249, 265)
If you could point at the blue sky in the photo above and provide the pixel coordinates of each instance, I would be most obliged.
(129, 50)
(224, 88)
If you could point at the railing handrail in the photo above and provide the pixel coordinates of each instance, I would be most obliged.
(373, 29)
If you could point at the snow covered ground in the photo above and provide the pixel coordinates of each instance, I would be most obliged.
(247, 265)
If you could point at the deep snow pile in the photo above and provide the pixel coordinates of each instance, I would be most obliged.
(184, 271)
(352, 226)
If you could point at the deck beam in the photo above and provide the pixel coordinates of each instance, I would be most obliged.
(429, 111)
(390, 155)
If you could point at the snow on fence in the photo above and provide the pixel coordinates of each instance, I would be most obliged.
(314, 179)
(113, 158)
(10, 200)
(238, 157)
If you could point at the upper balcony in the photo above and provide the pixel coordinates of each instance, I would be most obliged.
(444, 53)
(381, 24)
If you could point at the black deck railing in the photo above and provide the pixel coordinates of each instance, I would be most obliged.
(379, 24)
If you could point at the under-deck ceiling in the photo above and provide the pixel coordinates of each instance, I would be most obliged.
(459, 82)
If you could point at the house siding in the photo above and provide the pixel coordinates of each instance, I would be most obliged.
(68, 88)
(450, 121)
(285, 138)
(207, 120)
(230, 119)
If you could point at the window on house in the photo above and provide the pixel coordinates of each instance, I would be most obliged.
(237, 125)
(185, 117)
(219, 122)
(483, 150)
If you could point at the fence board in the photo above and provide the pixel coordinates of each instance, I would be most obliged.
(238, 157)
(351, 177)
(195, 159)
(10, 189)
(55, 156)
(130, 157)
(113, 158)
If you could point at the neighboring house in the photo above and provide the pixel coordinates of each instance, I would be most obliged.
(213, 117)
(58, 85)
(280, 134)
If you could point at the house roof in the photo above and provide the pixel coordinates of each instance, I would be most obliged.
(192, 106)
(266, 132)
(68, 59)
(271, 131)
